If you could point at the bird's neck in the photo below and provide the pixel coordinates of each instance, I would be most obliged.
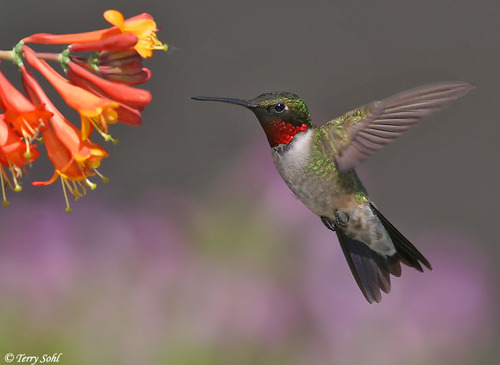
(281, 132)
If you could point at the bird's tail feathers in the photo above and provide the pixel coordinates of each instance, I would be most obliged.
(372, 270)
(405, 251)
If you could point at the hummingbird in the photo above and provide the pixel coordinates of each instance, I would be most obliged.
(318, 165)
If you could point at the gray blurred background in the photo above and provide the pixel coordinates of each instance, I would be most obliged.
(440, 177)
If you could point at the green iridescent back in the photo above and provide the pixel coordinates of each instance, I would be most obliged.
(323, 168)
(338, 129)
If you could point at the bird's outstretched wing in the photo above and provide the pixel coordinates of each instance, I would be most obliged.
(359, 133)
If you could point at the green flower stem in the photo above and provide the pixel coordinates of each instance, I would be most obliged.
(17, 57)
(49, 56)
(6, 55)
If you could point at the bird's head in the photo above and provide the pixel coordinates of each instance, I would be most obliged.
(281, 114)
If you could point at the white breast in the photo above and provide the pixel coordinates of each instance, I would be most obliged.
(295, 156)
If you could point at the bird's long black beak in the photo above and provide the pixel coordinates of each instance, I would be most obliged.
(242, 102)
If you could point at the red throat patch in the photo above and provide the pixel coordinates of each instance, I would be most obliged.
(279, 132)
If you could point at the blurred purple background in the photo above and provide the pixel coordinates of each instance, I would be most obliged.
(196, 252)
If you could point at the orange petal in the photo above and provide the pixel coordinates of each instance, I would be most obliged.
(132, 97)
(115, 18)
(119, 42)
(86, 37)
(89, 106)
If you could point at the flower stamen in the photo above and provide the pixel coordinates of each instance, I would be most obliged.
(31, 131)
(5, 202)
(103, 178)
(100, 123)
(15, 173)
(63, 183)
(90, 184)
(77, 185)
(27, 140)
(152, 42)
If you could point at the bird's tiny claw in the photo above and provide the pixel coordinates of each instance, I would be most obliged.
(341, 217)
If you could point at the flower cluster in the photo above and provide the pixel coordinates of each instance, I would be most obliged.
(100, 69)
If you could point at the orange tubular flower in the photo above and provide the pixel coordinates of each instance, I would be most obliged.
(94, 111)
(114, 43)
(20, 113)
(85, 152)
(122, 66)
(13, 156)
(131, 100)
(125, 114)
(66, 166)
(74, 159)
(143, 26)
(135, 98)
(125, 67)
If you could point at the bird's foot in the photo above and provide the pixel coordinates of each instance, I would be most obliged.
(341, 217)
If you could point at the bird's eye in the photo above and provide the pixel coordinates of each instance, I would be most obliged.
(279, 108)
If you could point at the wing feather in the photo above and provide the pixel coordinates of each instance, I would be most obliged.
(363, 131)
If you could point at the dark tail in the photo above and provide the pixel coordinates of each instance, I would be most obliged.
(372, 270)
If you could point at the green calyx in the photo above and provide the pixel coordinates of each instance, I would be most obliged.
(64, 58)
(17, 54)
(93, 61)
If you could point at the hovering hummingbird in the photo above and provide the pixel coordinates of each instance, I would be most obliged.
(317, 164)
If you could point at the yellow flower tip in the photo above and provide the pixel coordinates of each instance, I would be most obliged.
(68, 210)
(27, 155)
(18, 188)
(105, 179)
(109, 114)
(115, 141)
(115, 18)
(5, 203)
